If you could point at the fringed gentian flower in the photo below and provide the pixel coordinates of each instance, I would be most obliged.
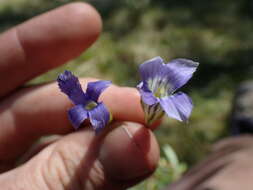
(158, 86)
(86, 103)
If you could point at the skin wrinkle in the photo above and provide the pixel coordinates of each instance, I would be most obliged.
(97, 175)
(78, 181)
(44, 179)
(56, 169)
(64, 171)
(85, 165)
(37, 147)
(69, 162)
(45, 168)
(31, 176)
(128, 132)
(20, 44)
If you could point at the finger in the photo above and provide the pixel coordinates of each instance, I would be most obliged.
(36, 148)
(46, 42)
(81, 160)
(38, 111)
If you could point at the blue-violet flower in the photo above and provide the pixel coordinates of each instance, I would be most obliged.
(158, 86)
(86, 103)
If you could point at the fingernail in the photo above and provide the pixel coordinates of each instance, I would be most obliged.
(129, 151)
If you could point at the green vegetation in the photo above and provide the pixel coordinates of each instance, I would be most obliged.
(215, 33)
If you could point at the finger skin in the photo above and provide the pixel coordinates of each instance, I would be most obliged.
(45, 42)
(42, 110)
(113, 160)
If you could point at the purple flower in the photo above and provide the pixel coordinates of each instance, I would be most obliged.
(158, 86)
(86, 103)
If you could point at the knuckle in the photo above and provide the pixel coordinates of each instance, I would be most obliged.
(70, 166)
(58, 169)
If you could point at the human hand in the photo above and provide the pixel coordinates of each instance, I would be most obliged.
(121, 156)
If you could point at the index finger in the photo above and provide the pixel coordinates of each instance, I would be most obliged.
(45, 42)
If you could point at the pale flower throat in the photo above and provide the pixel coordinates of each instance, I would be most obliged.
(90, 105)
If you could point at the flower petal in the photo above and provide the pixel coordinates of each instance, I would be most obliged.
(69, 84)
(181, 70)
(99, 117)
(177, 106)
(77, 115)
(157, 77)
(146, 95)
(151, 68)
(94, 89)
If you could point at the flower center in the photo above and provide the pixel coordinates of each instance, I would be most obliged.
(161, 91)
(90, 105)
(159, 87)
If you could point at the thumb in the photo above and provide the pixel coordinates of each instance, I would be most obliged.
(115, 160)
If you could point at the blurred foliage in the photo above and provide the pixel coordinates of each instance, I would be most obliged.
(169, 170)
(215, 33)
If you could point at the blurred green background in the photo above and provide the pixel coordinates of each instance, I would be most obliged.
(216, 33)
